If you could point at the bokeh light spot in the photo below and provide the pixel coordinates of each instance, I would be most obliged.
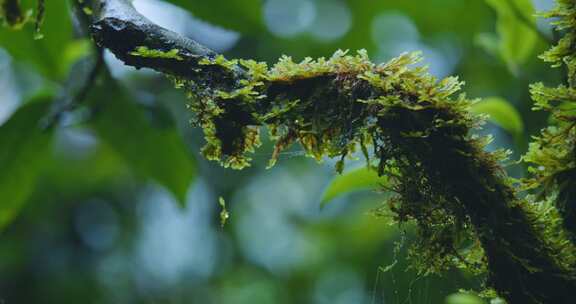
(333, 20)
(392, 28)
(289, 18)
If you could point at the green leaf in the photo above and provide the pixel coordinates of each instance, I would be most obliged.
(240, 15)
(74, 51)
(501, 113)
(464, 298)
(102, 169)
(24, 151)
(517, 38)
(355, 180)
(490, 42)
(155, 152)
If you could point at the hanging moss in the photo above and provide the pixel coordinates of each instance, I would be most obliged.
(552, 155)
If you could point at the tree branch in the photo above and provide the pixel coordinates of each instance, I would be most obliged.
(121, 29)
(332, 106)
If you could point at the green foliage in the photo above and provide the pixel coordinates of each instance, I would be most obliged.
(516, 30)
(359, 179)
(74, 51)
(25, 151)
(501, 113)
(156, 153)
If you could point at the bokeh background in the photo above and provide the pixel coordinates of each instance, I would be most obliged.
(116, 205)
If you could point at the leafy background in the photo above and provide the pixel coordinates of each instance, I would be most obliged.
(115, 204)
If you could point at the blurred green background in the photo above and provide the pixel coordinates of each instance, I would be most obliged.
(115, 204)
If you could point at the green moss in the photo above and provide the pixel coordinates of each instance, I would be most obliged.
(88, 11)
(219, 60)
(143, 51)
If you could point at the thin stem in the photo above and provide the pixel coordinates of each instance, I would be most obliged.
(71, 102)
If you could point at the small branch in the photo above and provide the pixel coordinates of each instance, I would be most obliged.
(70, 102)
(40, 12)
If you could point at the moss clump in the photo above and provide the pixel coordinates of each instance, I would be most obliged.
(326, 111)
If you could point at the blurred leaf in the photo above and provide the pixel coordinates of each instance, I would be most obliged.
(24, 150)
(102, 168)
(355, 180)
(517, 39)
(501, 113)
(364, 13)
(489, 42)
(74, 50)
(151, 151)
(464, 298)
(239, 15)
(44, 54)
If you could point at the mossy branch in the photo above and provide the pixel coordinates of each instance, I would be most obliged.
(419, 133)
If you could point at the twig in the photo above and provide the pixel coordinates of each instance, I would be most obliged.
(70, 102)
(40, 11)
